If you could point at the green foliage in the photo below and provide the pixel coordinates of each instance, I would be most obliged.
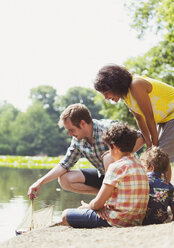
(5, 149)
(29, 162)
(158, 62)
(80, 95)
(46, 95)
(8, 115)
(36, 133)
(115, 111)
(156, 15)
(37, 162)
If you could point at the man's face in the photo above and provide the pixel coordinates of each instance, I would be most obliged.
(77, 132)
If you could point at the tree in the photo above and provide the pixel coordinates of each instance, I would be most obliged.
(46, 95)
(80, 95)
(36, 133)
(8, 114)
(158, 62)
(156, 15)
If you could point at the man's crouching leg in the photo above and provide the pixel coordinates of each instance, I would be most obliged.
(74, 181)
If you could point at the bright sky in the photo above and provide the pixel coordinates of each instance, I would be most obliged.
(61, 43)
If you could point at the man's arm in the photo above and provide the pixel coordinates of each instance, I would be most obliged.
(71, 157)
(53, 174)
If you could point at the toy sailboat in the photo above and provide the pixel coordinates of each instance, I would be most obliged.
(35, 219)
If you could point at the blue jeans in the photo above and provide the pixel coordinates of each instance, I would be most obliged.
(84, 218)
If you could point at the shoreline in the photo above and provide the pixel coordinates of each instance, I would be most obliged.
(156, 236)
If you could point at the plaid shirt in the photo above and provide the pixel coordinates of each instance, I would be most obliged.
(128, 203)
(161, 196)
(81, 148)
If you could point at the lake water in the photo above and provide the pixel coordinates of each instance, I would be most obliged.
(14, 201)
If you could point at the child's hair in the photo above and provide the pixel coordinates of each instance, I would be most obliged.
(75, 112)
(122, 136)
(113, 78)
(156, 157)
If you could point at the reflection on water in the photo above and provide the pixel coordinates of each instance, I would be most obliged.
(14, 201)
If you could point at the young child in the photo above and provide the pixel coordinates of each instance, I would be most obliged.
(122, 200)
(156, 162)
(149, 100)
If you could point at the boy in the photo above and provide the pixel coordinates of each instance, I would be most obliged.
(156, 162)
(123, 197)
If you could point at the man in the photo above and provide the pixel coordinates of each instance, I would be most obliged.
(86, 142)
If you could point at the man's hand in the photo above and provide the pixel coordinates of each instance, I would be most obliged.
(84, 205)
(34, 190)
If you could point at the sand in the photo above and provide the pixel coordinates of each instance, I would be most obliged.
(155, 236)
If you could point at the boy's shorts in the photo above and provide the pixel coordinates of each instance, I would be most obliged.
(85, 218)
(92, 177)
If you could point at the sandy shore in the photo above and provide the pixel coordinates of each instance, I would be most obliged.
(156, 236)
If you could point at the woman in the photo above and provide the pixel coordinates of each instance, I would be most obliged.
(150, 101)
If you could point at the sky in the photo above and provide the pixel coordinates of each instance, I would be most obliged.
(61, 43)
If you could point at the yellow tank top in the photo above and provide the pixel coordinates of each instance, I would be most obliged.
(162, 100)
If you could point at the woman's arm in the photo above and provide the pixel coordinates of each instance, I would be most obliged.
(143, 128)
(140, 89)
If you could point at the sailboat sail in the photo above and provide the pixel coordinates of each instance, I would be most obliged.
(35, 219)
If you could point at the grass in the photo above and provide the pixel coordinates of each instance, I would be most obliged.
(37, 162)
(40, 162)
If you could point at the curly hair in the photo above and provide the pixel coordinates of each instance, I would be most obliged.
(156, 157)
(122, 136)
(113, 78)
(75, 112)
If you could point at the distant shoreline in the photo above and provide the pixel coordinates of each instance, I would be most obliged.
(37, 162)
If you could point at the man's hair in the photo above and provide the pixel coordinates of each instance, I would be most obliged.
(122, 136)
(157, 157)
(75, 112)
(113, 78)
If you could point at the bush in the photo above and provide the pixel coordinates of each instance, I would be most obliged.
(22, 150)
(5, 149)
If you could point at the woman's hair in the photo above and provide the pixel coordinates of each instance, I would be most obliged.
(156, 157)
(122, 136)
(113, 78)
(76, 113)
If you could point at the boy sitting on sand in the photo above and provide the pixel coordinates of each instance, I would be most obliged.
(122, 200)
(156, 162)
